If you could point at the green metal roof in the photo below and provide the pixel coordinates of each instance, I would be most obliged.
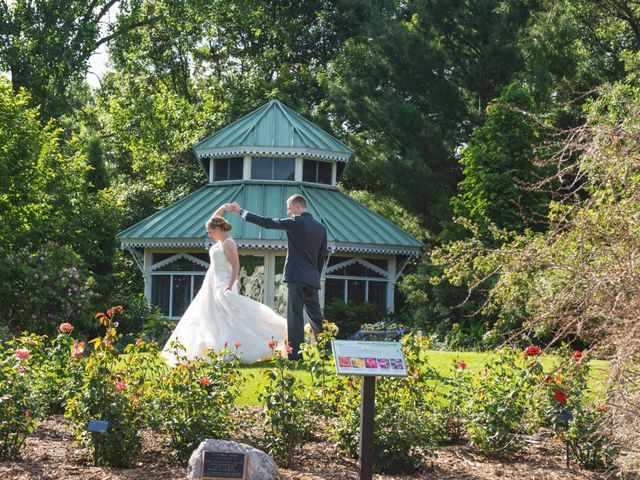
(273, 129)
(350, 226)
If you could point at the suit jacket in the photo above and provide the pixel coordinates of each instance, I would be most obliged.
(306, 246)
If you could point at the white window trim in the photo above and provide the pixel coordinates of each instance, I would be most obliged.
(362, 262)
(177, 257)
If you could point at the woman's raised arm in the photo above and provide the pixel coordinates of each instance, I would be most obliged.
(220, 211)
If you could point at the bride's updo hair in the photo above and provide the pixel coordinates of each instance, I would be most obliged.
(218, 222)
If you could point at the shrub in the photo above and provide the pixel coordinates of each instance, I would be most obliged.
(42, 288)
(499, 410)
(19, 408)
(405, 424)
(105, 394)
(565, 392)
(194, 401)
(285, 419)
(322, 394)
(349, 317)
(158, 327)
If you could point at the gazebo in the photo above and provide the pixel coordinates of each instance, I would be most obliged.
(259, 161)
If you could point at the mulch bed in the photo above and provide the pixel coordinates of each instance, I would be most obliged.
(49, 454)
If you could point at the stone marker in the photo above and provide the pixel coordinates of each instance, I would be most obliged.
(260, 466)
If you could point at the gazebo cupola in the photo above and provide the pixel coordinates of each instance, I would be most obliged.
(273, 144)
(259, 161)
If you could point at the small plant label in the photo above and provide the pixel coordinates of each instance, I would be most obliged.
(354, 357)
(98, 426)
(224, 465)
(564, 416)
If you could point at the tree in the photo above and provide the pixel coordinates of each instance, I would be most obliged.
(579, 279)
(46, 45)
(498, 187)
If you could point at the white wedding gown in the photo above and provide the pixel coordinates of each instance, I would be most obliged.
(216, 317)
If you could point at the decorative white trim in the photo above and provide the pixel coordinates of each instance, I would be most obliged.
(264, 150)
(268, 245)
(400, 267)
(364, 263)
(138, 257)
(177, 257)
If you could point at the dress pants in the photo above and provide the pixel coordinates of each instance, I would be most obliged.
(301, 297)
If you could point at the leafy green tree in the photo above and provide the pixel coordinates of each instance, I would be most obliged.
(46, 45)
(52, 222)
(499, 174)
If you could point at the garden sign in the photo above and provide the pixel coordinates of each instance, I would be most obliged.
(368, 359)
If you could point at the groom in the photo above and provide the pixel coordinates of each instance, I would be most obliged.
(306, 254)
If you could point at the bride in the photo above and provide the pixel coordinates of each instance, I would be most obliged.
(219, 316)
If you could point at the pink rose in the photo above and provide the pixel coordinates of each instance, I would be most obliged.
(23, 353)
(66, 327)
(121, 385)
(238, 344)
(462, 365)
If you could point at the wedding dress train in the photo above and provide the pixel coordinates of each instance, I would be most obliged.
(216, 318)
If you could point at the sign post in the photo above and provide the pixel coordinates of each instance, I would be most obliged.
(96, 427)
(368, 359)
(564, 417)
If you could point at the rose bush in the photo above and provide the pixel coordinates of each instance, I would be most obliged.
(19, 408)
(105, 395)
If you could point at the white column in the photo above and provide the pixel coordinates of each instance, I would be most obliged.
(298, 169)
(148, 259)
(246, 168)
(391, 285)
(269, 279)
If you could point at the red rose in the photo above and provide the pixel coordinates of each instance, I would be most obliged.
(577, 355)
(532, 351)
(271, 345)
(206, 381)
(121, 385)
(462, 365)
(237, 344)
(548, 379)
(560, 396)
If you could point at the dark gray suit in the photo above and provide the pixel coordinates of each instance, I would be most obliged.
(306, 254)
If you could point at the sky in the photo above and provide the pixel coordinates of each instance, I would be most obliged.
(97, 66)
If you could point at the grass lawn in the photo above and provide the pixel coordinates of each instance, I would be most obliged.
(442, 361)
